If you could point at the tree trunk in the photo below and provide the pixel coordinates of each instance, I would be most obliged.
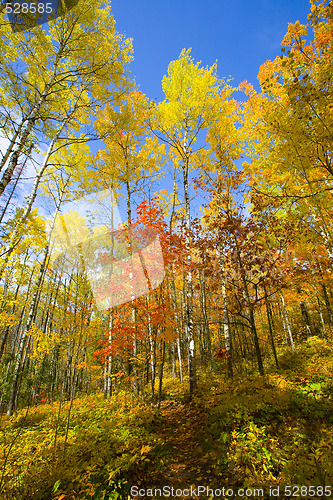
(152, 360)
(160, 375)
(174, 301)
(305, 316)
(11, 145)
(173, 359)
(284, 311)
(180, 363)
(31, 318)
(251, 317)
(256, 341)
(14, 239)
(14, 187)
(205, 321)
(321, 317)
(270, 327)
(108, 364)
(226, 329)
(189, 281)
(30, 122)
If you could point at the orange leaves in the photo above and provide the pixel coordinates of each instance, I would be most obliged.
(268, 72)
(145, 449)
(150, 214)
(133, 321)
(247, 88)
(86, 366)
(324, 38)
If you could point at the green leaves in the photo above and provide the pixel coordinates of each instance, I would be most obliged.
(56, 486)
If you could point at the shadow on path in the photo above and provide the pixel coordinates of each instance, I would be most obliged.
(183, 457)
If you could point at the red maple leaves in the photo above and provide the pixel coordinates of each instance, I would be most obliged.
(221, 354)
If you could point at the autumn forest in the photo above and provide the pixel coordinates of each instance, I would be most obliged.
(189, 343)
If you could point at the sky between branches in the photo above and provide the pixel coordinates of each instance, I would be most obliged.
(239, 34)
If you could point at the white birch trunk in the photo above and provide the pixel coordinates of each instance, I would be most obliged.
(285, 313)
(189, 280)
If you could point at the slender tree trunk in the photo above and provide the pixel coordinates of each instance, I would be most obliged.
(11, 145)
(173, 359)
(327, 303)
(5, 289)
(326, 298)
(25, 340)
(15, 238)
(27, 128)
(73, 378)
(251, 317)
(189, 280)
(17, 337)
(256, 341)
(152, 360)
(14, 187)
(305, 316)
(174, 296)
(31, 318)
(270, 327)
(108, 363)
(180, 362)
(285, 331)
(321, 317)
(284, 311)
(134, 367)
(160, 374)
(226, 329)
(174, 301)
(205, 321)
(56, 350)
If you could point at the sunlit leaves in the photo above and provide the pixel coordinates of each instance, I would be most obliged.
(191, 93)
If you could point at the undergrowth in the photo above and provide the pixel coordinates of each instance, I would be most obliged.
(277, 429)
(107, 441)
(271, 430)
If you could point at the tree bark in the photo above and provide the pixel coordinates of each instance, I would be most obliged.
(31, 318)
(205, 321)
(27, 128)
(305, 316)
(174, 301)
(14, 187)
(108, 364)
(226, 329)
(160, 375)
(189, 281)
(284, 311)
(270, 327)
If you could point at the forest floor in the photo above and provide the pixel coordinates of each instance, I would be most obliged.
(183, 456)
(250, 432)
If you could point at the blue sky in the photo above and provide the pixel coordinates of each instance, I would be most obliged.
(240, 34)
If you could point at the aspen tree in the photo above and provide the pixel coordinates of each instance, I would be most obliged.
(179, 120)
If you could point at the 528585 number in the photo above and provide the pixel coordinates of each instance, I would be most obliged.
(24, 8)
(307, 491)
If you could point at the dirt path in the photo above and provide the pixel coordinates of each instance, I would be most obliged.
(184, 456)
